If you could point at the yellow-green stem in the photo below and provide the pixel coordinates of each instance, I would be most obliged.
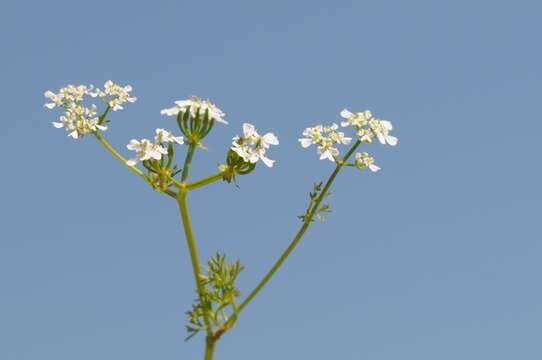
(118, 156)
(209, 348)
(175, 183)
(188, 161)
(181, 200)
(205, 181)
(101, 119)
(133, 169)
(300, 232)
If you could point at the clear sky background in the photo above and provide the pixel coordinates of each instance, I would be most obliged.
(438, 256)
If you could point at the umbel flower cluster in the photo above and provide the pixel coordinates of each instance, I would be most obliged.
(366, 128)
(79, 119)
(85, 110)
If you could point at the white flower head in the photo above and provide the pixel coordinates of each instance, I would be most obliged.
(363, 160)
(252, 146)
(145, 150)
(77, 118)
(192, 104)
(367, 127)
(325, 138)
(114, 95)
(165, 136)
(327, 151)
(365, 135)
(357, 120)
(381, 129)
(312, 135)
(67, 96)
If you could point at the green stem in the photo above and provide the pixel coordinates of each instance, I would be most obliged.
(188, 161)
(177, 184)
(300, 232)
(181, 200)
(170, 193)
(101, 119)
(205, 181)
(209, 348)
(119, 157)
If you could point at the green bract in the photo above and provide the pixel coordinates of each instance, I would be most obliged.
(196, 127)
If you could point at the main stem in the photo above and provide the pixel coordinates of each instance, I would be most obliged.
(210, 340)
(209, 348)
(181, 200)
(301, 231)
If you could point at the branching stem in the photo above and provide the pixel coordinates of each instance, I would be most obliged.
(120, 158)
(299, 233)
(205, 181)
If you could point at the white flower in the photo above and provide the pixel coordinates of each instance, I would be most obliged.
(358, 120)
(381, 129)
(367, 127)
(114, 95)
(252, 147)
(327, 151)
(145, 150)
(77, 127)
(77, 118)
(325, 137)
(67, 96)
(339, 138)
(363, 160)
(365, 135)
(57, 100)
(312, 135)
(165, 136)
(194, 103)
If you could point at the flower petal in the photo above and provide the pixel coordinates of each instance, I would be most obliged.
(305, 142)
(249, 130)
(392, 140)
(346, 114)
(267, 161)
(270, 139)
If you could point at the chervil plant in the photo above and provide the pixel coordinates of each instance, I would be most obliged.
(218, 307)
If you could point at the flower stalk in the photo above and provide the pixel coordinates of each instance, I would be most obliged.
(204, 181)
(299, 235)
(188, 161)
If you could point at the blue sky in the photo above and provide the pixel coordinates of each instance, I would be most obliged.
(437, 256)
